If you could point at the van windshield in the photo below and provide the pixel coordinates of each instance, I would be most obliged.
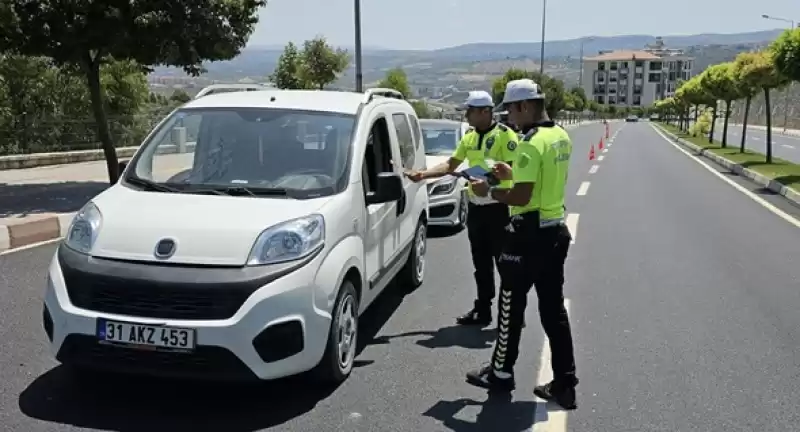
(298, 153)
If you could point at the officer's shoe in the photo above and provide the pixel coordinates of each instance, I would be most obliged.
(563, 395)
(486, 378)
(475, 317)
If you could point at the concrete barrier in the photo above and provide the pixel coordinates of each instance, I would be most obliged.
(61, 158)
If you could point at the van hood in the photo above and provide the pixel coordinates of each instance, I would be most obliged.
(207, 229)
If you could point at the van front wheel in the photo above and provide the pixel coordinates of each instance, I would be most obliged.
(413, 273)
(340, 352)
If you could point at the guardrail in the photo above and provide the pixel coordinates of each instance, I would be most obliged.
(180, 145)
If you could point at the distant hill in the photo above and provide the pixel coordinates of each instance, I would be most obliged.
(260, 61)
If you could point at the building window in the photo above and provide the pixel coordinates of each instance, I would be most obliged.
(637, 100)
(612, 100)
(623, 65)
(601, 66)
(639, 63)
(638, 75)
(672, 76)
(637, 90)
(600, 99)
(654, 78)
(656, 65)
(613, 65)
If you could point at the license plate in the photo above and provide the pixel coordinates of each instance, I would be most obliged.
(144, 336)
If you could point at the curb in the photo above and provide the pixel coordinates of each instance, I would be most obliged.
(780, 189)
(18, 235)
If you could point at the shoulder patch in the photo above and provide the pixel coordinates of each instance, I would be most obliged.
(502, 127)
(512, 145)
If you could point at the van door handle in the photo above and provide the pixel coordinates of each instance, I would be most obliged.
(401, 204)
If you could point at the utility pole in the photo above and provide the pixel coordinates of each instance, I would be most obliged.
(359, 73)
(544, 28)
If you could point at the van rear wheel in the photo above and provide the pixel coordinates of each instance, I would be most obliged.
(413, 273)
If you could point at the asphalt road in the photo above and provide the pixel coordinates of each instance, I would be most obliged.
(783, 146)
(683, 293)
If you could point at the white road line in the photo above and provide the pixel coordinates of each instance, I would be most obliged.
(594, 169)
(605, 150)
(787, 146)
(30, 246)
(600, 158)
(583, 188)
(778, 212)
(554, 420)
(572, 224)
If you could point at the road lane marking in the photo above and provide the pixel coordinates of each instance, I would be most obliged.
(594, 169)
(787, 146)
(30, 246)
(600, 158)
(554, 420)
(605, 150)
(584, 187)
(778, 212)
(572, 225)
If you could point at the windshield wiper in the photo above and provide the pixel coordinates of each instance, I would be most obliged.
(150, 186)
(240, 191)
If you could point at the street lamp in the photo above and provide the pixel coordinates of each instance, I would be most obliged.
(788, 90)
(359, 74)
(544, 27)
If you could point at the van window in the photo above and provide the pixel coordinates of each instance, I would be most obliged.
(416, 129)
(303, 152)
(405, 139)
(378, 155)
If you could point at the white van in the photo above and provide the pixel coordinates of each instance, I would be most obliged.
(250, 252)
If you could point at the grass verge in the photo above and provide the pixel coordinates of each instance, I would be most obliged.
(784, 172)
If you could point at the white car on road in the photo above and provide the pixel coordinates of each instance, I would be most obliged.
(252, 253)
(447, 195)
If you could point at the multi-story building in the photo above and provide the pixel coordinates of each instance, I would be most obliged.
(635, 78)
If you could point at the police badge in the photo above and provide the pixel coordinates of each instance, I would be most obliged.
(489, 143)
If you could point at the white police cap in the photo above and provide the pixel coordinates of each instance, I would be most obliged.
(521, 90)
(478, 99)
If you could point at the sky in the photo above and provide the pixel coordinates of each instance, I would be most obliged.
(430, 24)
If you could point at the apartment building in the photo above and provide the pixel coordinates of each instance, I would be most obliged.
(635, 78)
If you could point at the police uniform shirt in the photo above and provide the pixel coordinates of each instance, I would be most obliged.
(543, 159)
(498, 144)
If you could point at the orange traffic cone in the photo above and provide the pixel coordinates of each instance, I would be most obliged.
(600, 145)
(591, 153)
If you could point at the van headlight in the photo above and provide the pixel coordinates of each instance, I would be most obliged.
(288, 241)
(443, 187)
(84, 229)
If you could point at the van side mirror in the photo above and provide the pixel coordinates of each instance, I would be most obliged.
(388, 188)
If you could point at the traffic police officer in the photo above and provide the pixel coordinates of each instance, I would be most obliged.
(536, 246)
(487, 141)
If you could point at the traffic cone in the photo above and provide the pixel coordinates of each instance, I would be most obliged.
(591, 153)
(600, 146)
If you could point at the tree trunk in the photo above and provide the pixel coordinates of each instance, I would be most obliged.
(725, 124)
(768, 110)
(92, 69)
(713, 123)
(744, 122)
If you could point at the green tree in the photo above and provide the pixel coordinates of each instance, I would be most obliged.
(421, 108)
(746, 87)
(761, 73)
(287, 74)
(180, 96)
(321, 63)
(398, 80)
(786, 54)
(579, 98)
(553, 89)
(720, 83)
(150, 32)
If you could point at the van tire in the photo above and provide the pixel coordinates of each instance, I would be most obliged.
(331, 370)
(413, 273)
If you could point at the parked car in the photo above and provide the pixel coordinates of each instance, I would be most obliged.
(447, 195)
(253, 255)
(632, 118)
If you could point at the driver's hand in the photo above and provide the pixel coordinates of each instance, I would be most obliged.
(415, 176)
